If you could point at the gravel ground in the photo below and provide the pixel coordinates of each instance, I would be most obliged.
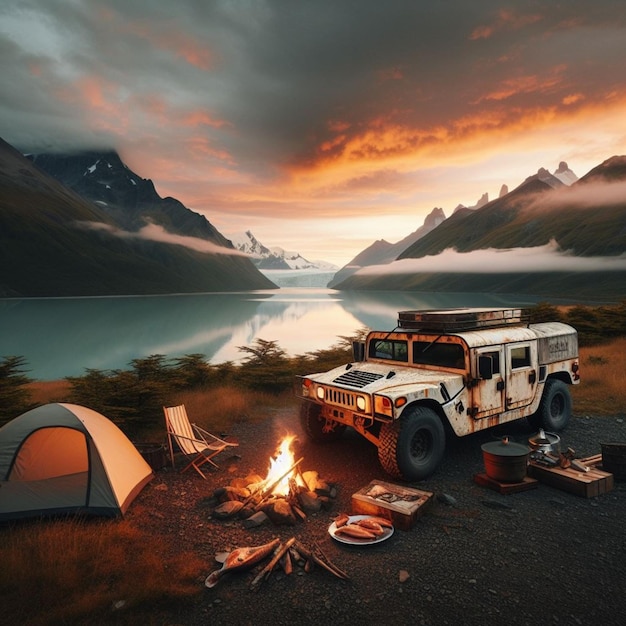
(543, 556)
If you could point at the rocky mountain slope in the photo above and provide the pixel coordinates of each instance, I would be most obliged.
(382, 252)
(585, 219)
(96, 228)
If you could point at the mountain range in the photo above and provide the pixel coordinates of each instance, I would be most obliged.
(85, 224)
(579, 225)
(383, 252)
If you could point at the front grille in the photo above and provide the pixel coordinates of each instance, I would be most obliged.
(356, 378)
(341, 398)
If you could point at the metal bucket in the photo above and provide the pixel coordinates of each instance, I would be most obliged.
(548, 443)
(155, 454)
(614, 459)
(505, 461)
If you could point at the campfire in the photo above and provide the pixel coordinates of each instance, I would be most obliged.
(284, 496)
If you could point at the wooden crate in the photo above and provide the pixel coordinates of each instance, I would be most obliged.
(589, 484)
(402, 505)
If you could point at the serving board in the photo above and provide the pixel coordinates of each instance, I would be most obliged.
(589, 484)
(402, 505)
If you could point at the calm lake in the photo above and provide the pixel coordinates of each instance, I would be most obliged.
(61, 337)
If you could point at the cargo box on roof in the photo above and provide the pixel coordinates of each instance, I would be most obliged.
(458, 320)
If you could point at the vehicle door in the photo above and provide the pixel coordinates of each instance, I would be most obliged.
(521, 373)
(488, 390)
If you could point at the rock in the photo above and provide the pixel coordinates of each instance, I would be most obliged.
(279, 511)
(227, 509)
(247, 511)
(239, 483)
(403, 576)
(252, 479)
(322, 488)
(310, 477)
(447, 499)
(496, 504)
(233, 493)
(258, 519)
(309, 502)
(207, 503)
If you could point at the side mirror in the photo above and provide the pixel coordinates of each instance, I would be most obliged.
(358, 351)
(485, 367)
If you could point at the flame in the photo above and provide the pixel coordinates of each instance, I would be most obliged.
(279, 466)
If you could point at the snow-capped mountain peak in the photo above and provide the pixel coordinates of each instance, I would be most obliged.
(275, 258)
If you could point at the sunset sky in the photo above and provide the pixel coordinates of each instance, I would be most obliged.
(320, 125)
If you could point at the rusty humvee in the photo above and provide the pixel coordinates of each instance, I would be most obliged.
(442, 373)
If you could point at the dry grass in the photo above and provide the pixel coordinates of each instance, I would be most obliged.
(75, 571)
(217, 409)
(602, 390)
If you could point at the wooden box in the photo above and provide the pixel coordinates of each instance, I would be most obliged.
(402, 505)
(589, 484)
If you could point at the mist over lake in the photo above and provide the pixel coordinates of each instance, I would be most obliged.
(61, 337)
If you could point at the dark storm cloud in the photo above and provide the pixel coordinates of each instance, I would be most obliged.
(364, 112)
(281, 72)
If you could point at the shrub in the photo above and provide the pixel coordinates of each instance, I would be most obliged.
(14, 393)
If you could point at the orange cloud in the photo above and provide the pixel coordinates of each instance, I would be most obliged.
(525, 84)
(506, 20)
(201, 118)
(572, 99)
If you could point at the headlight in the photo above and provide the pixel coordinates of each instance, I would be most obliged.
(360, 403)
(320, 393)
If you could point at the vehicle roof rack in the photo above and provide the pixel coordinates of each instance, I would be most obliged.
(463, 319)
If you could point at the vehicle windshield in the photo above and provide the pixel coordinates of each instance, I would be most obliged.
(438, 354)
(392, 349)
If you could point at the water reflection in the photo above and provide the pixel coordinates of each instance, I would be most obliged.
(63, 337)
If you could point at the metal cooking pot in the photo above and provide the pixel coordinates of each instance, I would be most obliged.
(547, 443)
(505, 461)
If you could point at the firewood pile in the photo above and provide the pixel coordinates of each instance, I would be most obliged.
(287, 556)
(257, 501)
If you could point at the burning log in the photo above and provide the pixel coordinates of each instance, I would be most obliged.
(285, 496)
(266, 491)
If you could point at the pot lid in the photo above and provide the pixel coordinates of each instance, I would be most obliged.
(505, 447)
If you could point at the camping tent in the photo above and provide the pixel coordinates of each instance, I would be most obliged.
(65, 458)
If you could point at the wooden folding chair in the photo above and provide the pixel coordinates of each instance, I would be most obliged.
(197, 444)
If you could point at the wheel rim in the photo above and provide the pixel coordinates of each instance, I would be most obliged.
(556, 406)
(421, 445)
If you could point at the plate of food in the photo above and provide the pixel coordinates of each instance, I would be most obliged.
(360, 530)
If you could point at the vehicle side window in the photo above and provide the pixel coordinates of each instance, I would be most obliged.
(520, 357)
(392, 350)
(495, 360)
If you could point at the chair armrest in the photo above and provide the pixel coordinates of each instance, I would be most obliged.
(206, 433)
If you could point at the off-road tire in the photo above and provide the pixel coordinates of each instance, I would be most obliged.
(412, 447)
(555, 407)
(317, 428)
